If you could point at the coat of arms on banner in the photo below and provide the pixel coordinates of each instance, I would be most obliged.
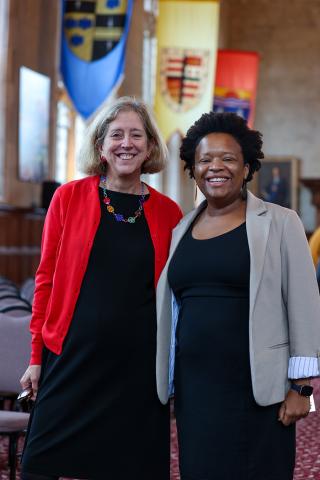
(183, 76)
(93, 28)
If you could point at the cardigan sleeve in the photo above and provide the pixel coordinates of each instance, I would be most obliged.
(51, 237)
(176, 215)
(301, 296)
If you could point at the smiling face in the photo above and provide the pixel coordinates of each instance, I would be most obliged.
(219, 168)
(125, 146)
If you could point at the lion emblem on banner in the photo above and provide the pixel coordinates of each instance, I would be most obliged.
(183, 76)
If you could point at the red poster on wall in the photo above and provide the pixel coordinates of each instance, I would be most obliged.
(236, 83)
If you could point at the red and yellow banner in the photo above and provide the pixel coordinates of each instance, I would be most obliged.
(187, 35)
(236, 83)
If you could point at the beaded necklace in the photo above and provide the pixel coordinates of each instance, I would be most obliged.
(118, 216)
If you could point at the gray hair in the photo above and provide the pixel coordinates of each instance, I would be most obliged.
(89, 156)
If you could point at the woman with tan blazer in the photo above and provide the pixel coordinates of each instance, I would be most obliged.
(238, 316)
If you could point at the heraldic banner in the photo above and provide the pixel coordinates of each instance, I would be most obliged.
(236, 83)
(94, 35)
(187, 35)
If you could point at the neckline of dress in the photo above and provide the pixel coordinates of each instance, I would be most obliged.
(116, 192)
(216, 236)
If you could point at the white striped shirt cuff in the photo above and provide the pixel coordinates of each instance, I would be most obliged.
(303, 367)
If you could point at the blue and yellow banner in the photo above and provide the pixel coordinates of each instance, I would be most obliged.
(94, 35)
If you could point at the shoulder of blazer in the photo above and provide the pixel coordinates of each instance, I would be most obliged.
(258, 206)
(255, 205)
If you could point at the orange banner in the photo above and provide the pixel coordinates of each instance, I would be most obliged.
(236, 83)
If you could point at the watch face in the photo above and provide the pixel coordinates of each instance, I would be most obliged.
(306, 390)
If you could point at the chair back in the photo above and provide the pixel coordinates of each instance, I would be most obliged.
(27, 289)
(8, 289)
(16, 310)
(6, 281)
(15, 348)
(14, 305)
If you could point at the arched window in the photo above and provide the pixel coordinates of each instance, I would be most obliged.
(69, 134)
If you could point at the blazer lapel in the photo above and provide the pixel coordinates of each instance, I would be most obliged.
(164, 308)
(258, 225)
(163, 291)
(183, 226)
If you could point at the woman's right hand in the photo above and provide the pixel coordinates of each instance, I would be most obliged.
(30, 379)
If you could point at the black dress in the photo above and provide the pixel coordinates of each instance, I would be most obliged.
(223, 434)
(97, 414)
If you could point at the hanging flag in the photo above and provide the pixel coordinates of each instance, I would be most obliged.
(94, 35)
(236, 83)
(187, 35)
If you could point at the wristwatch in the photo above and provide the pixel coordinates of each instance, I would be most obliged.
(304, 390)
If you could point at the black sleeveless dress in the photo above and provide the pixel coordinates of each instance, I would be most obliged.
(223, 434)
(97, 415)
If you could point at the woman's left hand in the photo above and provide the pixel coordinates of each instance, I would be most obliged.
(293, 408)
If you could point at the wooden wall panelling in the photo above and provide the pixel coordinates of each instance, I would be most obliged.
(34, 28)
(20, 238)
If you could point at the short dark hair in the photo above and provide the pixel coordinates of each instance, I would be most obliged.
(249, 140)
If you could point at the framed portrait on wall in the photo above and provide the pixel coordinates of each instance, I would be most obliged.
(277, 181)
(34, 110)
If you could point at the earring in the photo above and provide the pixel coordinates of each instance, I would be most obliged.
(243, 191)
(103, 164)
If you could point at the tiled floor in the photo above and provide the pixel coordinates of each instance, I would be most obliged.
(308, 448)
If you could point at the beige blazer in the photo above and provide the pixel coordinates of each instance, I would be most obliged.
(284, 315)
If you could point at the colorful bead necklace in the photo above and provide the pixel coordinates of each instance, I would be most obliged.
(118, 216)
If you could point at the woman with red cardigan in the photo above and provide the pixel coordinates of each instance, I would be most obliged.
(92, 371)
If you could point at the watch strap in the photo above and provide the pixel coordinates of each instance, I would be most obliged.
(303, 390)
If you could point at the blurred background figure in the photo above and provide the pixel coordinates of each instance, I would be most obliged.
(314, 243)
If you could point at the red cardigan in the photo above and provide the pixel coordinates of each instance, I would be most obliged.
(70, 227)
